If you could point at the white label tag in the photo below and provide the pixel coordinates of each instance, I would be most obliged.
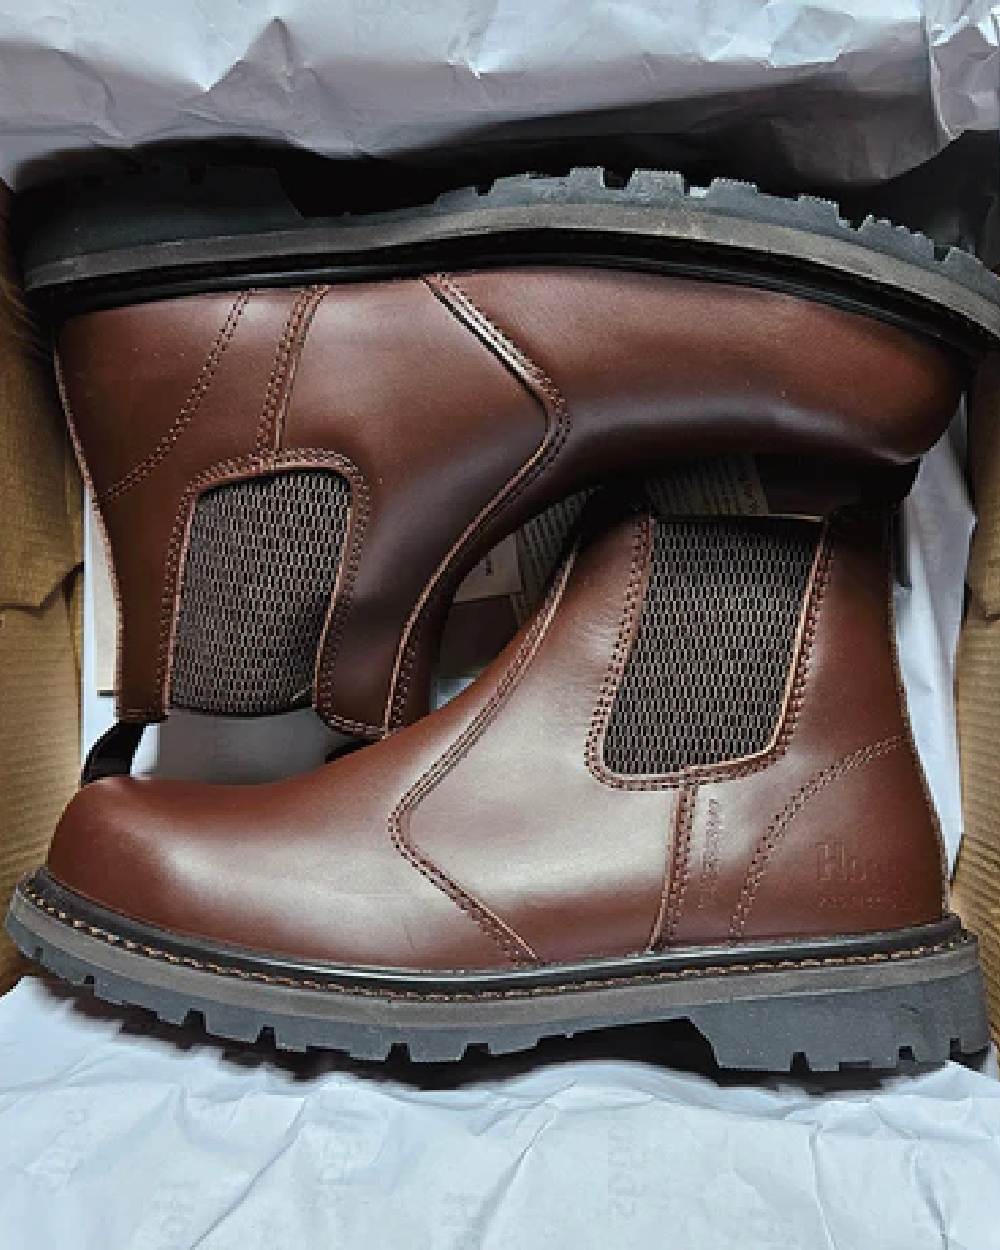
(97, 569)
(495, 574)
(726, 486)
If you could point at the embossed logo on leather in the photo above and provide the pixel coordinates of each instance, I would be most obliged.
(849, 880)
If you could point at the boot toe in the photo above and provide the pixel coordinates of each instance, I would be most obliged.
(111, 846)
(197, 860)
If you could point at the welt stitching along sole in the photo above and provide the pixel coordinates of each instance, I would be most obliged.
(652, 219)
(735, 966)
(924, 1002)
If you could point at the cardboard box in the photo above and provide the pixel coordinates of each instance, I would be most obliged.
(976, 894)
(39, 575)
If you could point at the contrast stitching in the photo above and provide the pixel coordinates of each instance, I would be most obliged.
(316, 296)
(776, 829)
(506, 938)
(188, 409)
(342, 597)
(216, 474)
(676, 883)
(558, 424)
(642, 545)
(540, 991)
(335, 623)
(668, 871)
(819, 582)
(276, 390)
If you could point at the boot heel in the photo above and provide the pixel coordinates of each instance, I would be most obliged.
(928, 1008)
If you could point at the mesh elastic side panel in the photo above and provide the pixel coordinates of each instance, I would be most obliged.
(261, 566)
(705, 679)
(540, 544)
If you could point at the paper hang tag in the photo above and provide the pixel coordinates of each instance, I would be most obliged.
(540, 544)
(105, 617)
(725, 486)
(497, 573)
(522, 563)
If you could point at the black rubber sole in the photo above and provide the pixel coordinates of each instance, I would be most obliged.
(146, 238)
(866, 1001)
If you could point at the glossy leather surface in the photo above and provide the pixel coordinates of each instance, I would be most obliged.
(457, 406)
(491, 834)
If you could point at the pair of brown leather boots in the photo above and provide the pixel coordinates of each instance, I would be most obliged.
(686, 789)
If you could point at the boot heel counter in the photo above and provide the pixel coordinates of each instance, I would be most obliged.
(158, 397)
(832, 830)
(856, 846)
(854, 849)
(134, 379)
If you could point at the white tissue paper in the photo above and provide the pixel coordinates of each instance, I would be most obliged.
(123, 1136)
(847, 90)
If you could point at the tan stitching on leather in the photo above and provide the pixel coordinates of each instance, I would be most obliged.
(779, 824)
(669, 858)
(675, 881)
(558, 419)
(266, 457)
(635, 591)
(540, 991)
(514, 946)
(308, 312)
(216, 475)
(189, 408)
(819, 581)
(286, 354)
(337, 616)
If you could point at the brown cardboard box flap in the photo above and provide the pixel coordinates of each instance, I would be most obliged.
(39, 483)
(39, 611)
(977, 876)
(39, 738)
(984, 462)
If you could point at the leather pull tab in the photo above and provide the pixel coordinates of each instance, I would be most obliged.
(113, 752)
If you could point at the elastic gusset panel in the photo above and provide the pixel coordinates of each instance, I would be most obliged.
(705, 678)
(541, 543)
(262, 562)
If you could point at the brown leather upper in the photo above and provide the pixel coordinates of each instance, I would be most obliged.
(457, 407)
(492, 834)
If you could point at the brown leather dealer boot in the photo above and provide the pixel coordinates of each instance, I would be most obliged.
(302, 432)
(686, 790)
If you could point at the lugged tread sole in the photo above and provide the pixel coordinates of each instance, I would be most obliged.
(652, 219)
(927, 1004)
